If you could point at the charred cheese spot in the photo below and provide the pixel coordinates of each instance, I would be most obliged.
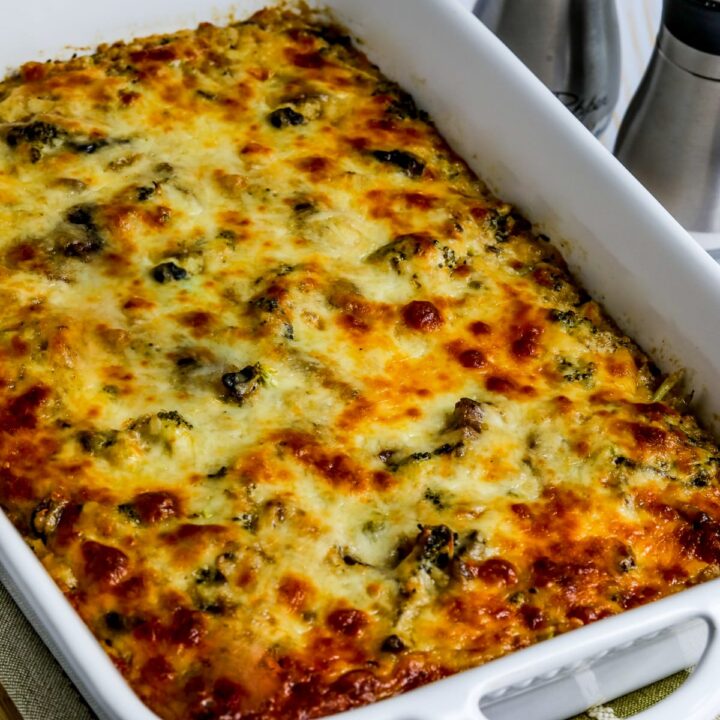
(153, 507)
(296, 412)
(422, 315)
(472, 358)
(294, 592)
(337, 468)
(492, 571)
(525, 341)
(347, 621)
(20, 412)
(104, 564)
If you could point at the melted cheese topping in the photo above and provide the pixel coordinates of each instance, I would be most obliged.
(297, 414)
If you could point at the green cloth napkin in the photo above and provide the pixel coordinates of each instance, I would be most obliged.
(628, 705)
(41, 690)
(31, 676)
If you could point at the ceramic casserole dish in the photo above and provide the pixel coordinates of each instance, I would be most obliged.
(631, 255)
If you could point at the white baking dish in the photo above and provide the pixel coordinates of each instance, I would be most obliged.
(657, 283)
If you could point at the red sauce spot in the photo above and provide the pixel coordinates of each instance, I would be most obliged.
(478, 212)
(20, 412)
(479, 328)
(648, 436)
(422, 315)
(347, 621)
(532, 617)
(472, 359)
(311, 60)
(499, 384)
(157, 670)
(104, 564)
(525, 342)
(154, 507)
(186, 628)
(493, 571)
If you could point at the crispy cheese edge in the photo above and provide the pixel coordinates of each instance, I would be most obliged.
(297, 414)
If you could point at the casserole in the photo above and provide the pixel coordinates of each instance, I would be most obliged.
(558, 225)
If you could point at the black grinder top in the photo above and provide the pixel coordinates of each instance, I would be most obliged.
(695, 23)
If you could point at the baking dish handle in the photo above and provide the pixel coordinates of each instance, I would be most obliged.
(698, 698)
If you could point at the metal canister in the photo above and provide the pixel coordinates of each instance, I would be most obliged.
(670, 136)
(573, 46)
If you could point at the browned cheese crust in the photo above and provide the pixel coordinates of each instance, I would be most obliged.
(296, 413)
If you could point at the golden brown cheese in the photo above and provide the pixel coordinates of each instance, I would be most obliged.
(297, 414)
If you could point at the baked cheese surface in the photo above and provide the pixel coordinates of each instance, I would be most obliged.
(296, 413)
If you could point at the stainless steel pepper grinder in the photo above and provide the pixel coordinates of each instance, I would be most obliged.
(670, 136)
(573, 46)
